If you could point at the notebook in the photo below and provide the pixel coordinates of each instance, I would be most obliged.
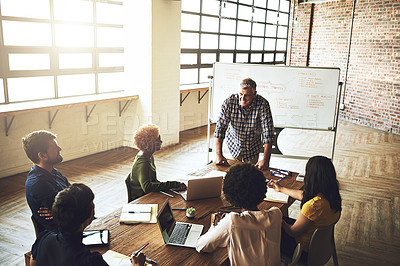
(177, 233)
(138, 213)
(275, 196)
(202, 188)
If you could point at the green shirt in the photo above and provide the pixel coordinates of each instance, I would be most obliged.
(143, 177)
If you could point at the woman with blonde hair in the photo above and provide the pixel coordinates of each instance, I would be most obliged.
(143, 177)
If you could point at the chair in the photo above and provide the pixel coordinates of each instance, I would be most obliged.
(128, 188)
(322, 248)
(38, 227)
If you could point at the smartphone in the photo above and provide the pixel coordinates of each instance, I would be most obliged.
(96, 237)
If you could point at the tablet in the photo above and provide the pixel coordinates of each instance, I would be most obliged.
(96, 237)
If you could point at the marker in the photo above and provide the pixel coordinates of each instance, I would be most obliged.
(151, 261)
(285, 172)
(176, 192)
(204, 215)
(178, 209)
(282, 178)
(137, 252)
(277, 175)
(162, 192)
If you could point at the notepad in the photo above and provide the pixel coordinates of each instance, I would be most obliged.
(116, 259)
(275, 196)
(138, 213)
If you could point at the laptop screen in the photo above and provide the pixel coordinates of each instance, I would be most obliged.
(166, 221)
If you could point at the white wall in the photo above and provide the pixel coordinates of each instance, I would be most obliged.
(192, 113)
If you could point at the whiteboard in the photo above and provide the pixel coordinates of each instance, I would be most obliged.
(299, 97)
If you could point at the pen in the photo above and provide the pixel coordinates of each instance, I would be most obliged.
(138, 212)
(137, 252)
(166, 194)
(151, 261)
(178, 209)
(176, 192)
(204, 215)
(282, 178)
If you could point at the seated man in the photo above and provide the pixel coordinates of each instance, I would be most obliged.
(252, 236)
(73, 210)
(44, 181)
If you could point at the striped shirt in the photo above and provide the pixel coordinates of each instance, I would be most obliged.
(245, 127)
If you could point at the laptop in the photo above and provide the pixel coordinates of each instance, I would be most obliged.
(202, 188)
(177, 233)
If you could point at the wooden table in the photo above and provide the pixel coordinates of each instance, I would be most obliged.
(126, 239)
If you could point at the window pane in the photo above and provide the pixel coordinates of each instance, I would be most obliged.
(245, 12)
(2, 100)
(272, 17)
(269, 44)
(228, 26)
(273, 4)
(258, 29)
(281, 44)
(227, 42)
(31, 8)
(259, 15)
(283, 19)
(257, 43)
(280, 57)
(80, 60)
(256, 58)
(226, 58)
(69, 85)
(242, 58)
(26, 33)
(109, 13)
(204, 73)
(190, 22)
(228, 10)
(74, 36)
(188, 59)
(260, 3)
(284, 6)
(109, 82)
(243, 43)
(282, 32)
(191, 5)
(111, 60)
(268, 58)
(209, 24)
(270, 31)
(210, 7)
(208, 58)
(30, 88)
(73, 10)
(189, 40)
(244, 28)
(209, 41)
(29, 61)
(110, 37)
(189, 76)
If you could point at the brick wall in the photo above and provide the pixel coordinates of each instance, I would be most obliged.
(372, 90)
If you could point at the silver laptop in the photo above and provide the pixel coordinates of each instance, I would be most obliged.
(177, 233)
(202, 188)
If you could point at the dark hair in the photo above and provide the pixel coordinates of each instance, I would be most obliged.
(35, 142)
(248, 83)
(244, 186)
(72, 206)
(321, 179)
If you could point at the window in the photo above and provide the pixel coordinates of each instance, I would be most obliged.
(52, 49)
(231, 31)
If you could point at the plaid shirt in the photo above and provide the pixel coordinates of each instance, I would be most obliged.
(245, 127)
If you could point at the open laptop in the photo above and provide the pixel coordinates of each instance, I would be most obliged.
(202, 188)
(177, 233)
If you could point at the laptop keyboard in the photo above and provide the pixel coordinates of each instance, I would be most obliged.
(180, 233)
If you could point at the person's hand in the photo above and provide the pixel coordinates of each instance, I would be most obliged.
(262, 165)
(138, 259)
(218, 217)
(274, 185)
(182, 186)
(46, 213)
(221, 160)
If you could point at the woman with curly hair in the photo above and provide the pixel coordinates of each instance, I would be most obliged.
(251, 236)
(321, 205)
(143, 178)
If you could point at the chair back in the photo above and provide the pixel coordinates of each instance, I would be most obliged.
(128, 188)
(322, 246)
(38, 227)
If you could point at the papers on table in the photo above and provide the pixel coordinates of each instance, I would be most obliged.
(274, 196)
(139, 213)
(116, 259)
(213, 173)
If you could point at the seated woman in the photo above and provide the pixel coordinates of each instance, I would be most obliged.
(143, 177)
(73, 210)
(321, 205)
(252, 236)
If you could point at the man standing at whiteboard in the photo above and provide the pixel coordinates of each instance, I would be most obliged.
(244, 117)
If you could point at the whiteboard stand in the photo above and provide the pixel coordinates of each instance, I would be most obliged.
(209, 149)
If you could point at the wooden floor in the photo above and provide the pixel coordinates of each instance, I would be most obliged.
(367, 163)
